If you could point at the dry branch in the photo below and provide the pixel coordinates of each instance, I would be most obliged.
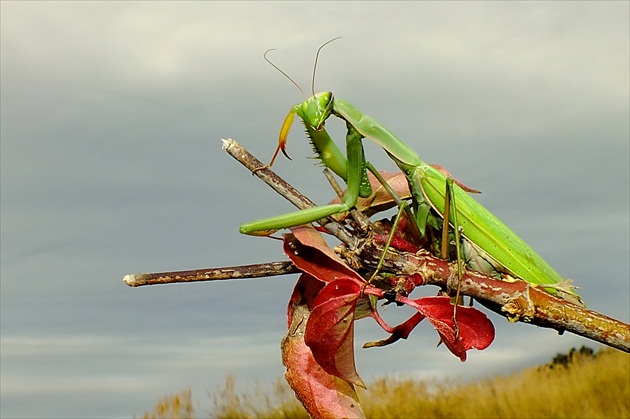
(517, 301)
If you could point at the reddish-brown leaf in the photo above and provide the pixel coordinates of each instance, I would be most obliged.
(399, 240)
(401, 331)
(476, 331)
(304, 293)
(330, 329)
(322, 395)
(458, 183)
(308, 250)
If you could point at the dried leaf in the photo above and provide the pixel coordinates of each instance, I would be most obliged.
(458, 183)
(380, 200)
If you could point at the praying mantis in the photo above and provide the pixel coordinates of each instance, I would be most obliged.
(493, 244)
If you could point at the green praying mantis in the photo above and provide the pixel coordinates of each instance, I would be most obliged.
(489, 246)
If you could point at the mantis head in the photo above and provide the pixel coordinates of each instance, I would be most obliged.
(315, 110)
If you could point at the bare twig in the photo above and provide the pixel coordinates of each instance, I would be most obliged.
(212, 274)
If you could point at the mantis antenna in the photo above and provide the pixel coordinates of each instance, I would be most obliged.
(315, 66)
(282, 72)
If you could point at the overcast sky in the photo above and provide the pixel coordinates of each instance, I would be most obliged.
(112, 115)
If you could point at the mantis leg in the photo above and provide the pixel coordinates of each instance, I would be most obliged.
(403, 206)
(451, 208)
(401, 209)
(356, 168)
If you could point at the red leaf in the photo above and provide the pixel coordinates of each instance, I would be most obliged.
(308, 251)
(475, 329)
(330, 329)
(401, 331)
(322, 395)
(397, 242)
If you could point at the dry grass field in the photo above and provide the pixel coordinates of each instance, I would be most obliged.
(579, 384)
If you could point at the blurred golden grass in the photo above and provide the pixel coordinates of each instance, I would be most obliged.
(173, 406)
(579, 384)
(587, 387)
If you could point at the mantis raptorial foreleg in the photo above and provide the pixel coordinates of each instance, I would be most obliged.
(354, 180)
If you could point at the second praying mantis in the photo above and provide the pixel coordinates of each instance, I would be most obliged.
(489, 245)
